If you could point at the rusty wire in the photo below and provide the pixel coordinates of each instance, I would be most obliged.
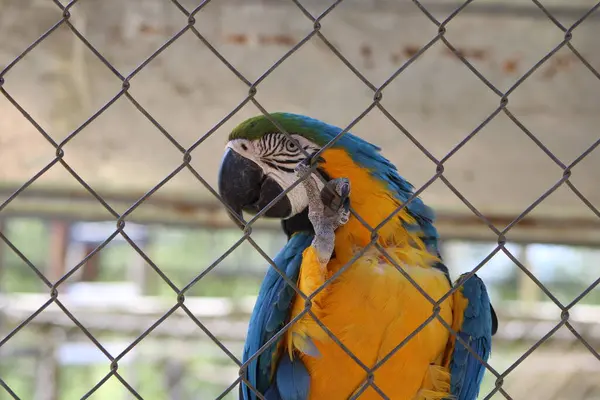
(253, 87)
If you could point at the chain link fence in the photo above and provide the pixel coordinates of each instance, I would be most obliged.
(317, 21)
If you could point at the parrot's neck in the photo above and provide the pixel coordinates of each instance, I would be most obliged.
(297, 223)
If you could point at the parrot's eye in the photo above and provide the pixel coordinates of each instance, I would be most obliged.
(291, 146)
(244, 147)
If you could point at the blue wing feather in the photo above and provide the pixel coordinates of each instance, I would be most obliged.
(293, 380)
(476, 331)
(272, 393)
(270, 314)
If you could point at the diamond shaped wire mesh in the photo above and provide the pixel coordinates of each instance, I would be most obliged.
(253, 87)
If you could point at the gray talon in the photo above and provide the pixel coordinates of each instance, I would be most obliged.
(336, 201)
(328, 209)
(305, 165)
(301, 169)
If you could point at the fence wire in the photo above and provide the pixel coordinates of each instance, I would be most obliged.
(253, 88)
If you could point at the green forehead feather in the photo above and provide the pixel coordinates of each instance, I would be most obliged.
(256, 127)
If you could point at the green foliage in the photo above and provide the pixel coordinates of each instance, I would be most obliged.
(30, 237)
(148, 379)
(182, 254)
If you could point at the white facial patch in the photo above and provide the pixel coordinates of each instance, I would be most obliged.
(270, 162)
(297, 196)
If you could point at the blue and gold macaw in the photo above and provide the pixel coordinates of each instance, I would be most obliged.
(370, 307)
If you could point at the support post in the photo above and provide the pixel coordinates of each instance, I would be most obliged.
(528, 291)
(59, 240)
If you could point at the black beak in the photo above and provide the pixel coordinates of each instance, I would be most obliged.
(244, 187)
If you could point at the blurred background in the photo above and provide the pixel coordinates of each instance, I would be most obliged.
(122, 144)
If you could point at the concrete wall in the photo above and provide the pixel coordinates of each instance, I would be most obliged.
(188, 90)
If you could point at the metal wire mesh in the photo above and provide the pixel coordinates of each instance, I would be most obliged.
(54, 288)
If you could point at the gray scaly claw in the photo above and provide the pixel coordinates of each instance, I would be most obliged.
(328, 209)
(335, 197)
(305, 165)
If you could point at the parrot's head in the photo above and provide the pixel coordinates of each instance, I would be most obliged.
(259, 161)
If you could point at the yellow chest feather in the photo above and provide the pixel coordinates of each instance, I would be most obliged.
(372, 308)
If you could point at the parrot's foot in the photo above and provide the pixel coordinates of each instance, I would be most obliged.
(328, 209)
(336, 202)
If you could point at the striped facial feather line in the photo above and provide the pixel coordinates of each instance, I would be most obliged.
(279, 152)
